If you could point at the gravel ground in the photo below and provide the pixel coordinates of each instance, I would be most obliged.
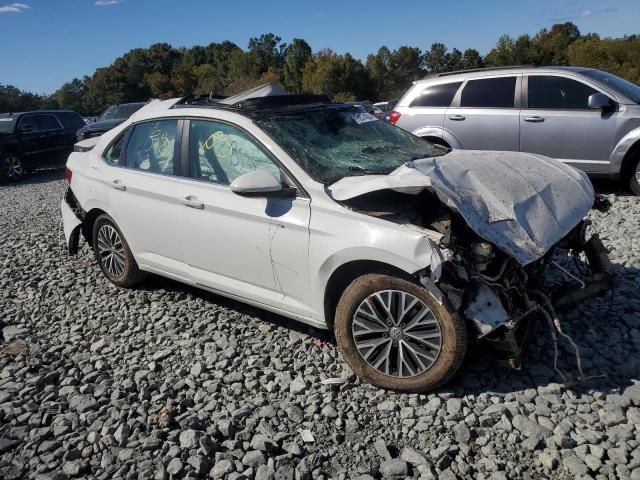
(166, 381)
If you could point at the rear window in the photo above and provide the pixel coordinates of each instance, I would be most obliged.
(437, 95)
(71, 120)
(489, 93)
(7, 124)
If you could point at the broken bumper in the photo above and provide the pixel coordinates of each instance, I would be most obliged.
(71, 225)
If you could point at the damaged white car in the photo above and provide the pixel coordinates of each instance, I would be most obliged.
(319, 212)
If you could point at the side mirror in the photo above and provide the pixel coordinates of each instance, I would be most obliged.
(260, 183)
(599, 101)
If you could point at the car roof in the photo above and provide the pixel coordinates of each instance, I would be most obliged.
(18, 114)
(516, 69)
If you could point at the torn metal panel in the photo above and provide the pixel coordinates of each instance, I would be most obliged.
(71, 225)
(522, 203)
(486, 311)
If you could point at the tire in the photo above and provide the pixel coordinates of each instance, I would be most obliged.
(114, 255)
(353, 312)
(11, 167)
(634, 181)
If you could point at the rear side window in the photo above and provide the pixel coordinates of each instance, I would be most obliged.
(114, 152)
(152, 146)
(489, 93)
(437, 95)
(70, 120)
(558, 93)
(47, 122)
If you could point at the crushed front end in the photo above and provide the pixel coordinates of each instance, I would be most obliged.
(503, 299)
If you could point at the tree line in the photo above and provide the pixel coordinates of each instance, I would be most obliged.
(162, 71)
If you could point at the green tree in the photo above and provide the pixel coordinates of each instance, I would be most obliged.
(435, 60)
(296, 56)
(71, 95)
(269, 51)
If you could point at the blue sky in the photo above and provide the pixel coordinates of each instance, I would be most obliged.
(47, 42)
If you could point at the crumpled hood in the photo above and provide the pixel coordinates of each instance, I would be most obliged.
(522, 203)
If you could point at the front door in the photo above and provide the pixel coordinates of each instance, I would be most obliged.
(558, 123)
(249, 247)
(485, 114)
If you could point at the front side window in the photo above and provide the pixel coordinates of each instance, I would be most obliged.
(489, 93)
(437, 95)
(331, 143)
(47, 122)
(625, 87)
(549, 92)
(220, 153)
(152, 146)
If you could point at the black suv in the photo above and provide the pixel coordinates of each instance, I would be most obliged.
(35, 139)
(110, 118)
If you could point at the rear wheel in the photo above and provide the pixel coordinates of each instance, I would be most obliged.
(395, 334)
(11, 167)
(113, 254)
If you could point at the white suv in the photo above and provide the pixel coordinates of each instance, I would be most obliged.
(325, 214)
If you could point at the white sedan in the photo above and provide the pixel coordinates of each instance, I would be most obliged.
(317, 211)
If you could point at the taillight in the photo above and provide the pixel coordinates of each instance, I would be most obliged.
(67, 175)
(394, 117)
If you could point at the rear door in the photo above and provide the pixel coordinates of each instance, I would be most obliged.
(557, 122)
(141, 171)
(485, 113)
(52, 137)
(425, 113)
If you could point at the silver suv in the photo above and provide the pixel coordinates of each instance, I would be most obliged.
(587, 118)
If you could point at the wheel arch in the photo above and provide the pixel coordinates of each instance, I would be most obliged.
(88, 222)
(629, 160)
(346, 273)
(438, 133)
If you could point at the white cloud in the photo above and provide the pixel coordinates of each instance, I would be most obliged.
(14, 8)
(577, 14)
(106, 3)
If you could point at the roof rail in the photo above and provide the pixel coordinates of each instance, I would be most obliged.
(485, 69)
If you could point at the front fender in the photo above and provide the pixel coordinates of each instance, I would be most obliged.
(621, 149)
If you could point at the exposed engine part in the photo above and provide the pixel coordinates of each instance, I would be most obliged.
(443, 225)
(481, 254)
(486, 311)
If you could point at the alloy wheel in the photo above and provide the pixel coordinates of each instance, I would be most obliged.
(12, 166)
(397, 333)
(111, 250)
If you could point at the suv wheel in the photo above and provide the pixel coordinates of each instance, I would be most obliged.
(114, 255)
(634, 181)
(11, 167)
(395, 334)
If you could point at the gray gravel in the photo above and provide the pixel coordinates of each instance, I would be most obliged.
(166, 381)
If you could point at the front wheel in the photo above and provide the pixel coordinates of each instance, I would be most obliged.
(394, 334)
(634, 181)
(11, 167)
(113, 254)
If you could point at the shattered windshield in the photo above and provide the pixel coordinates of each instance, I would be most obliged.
(333, 143)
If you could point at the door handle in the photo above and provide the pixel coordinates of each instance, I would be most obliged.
(457, 118)
(535, 119)
(118, 185)
(193, 202)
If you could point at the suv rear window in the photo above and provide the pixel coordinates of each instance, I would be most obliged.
(549, 92)
(489, 93)
(437, 95)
